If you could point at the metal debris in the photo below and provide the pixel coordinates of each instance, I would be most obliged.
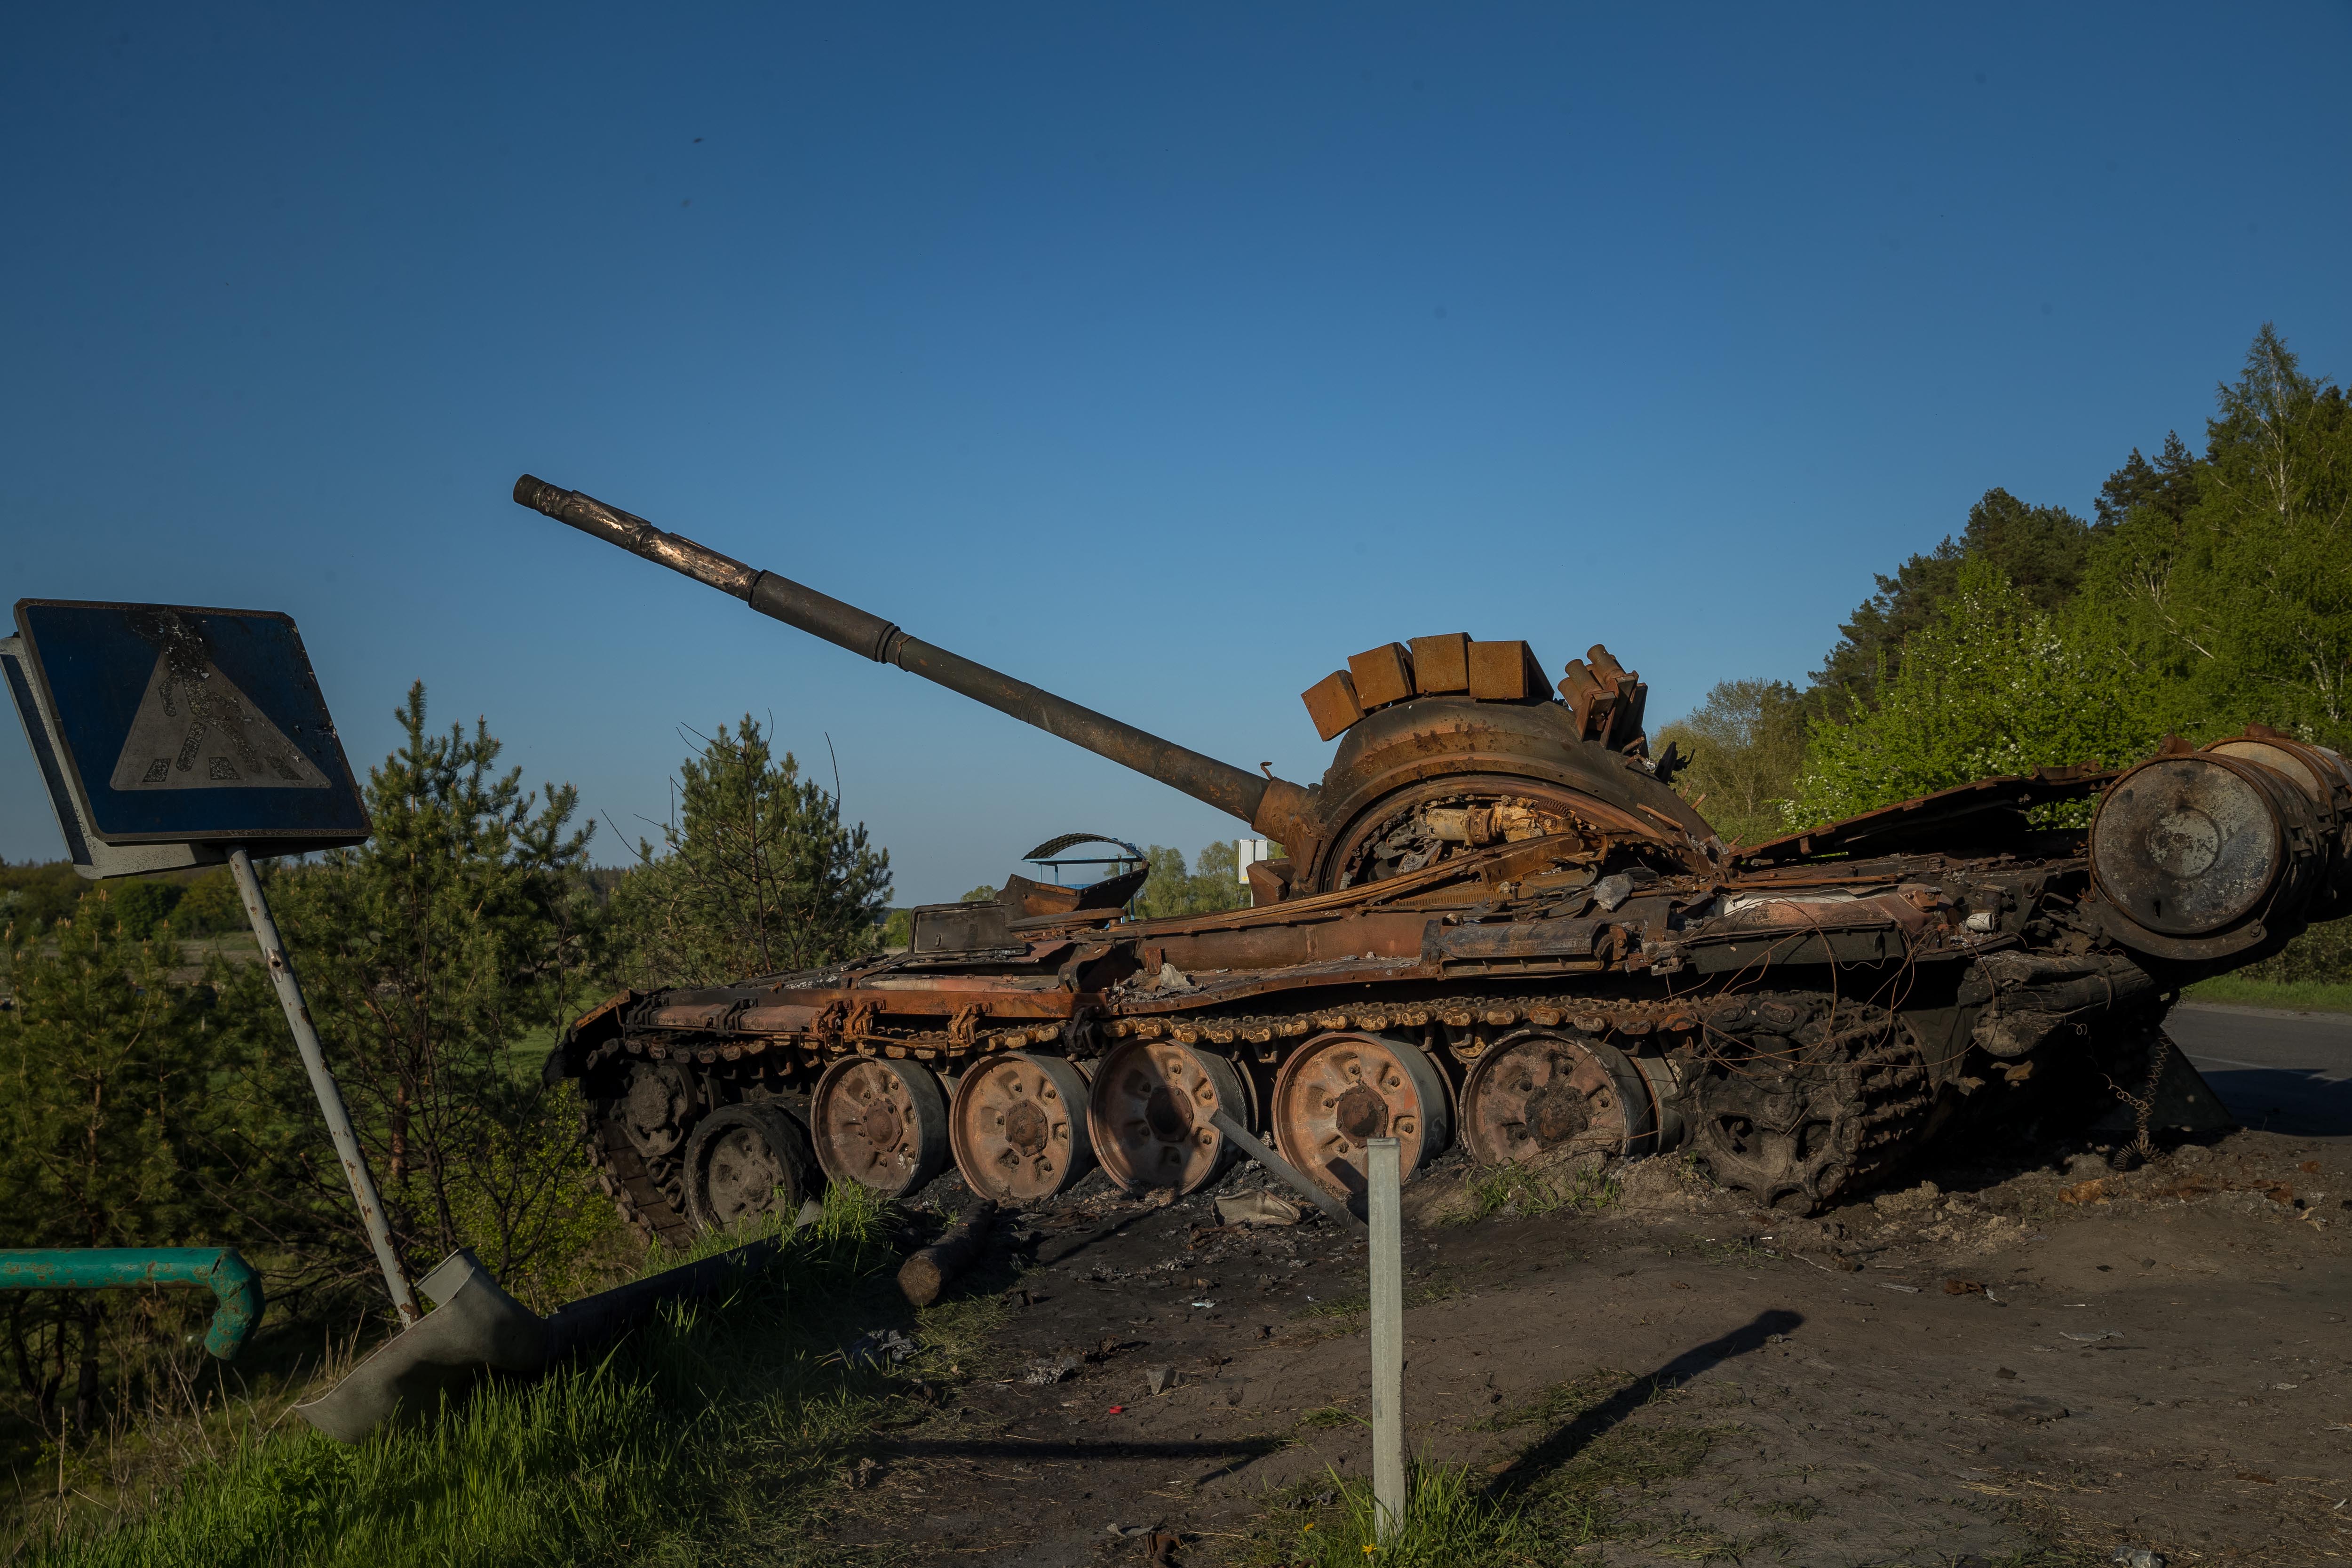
(882, 1349)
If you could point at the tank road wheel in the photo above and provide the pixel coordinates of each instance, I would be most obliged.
(880, 1123)
(747, 1162)
(1795, 1124)
(1338, 1090)
(1019, 1127)
(1149, 1114)
(1539, 1094)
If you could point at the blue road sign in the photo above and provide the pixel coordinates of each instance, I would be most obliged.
(170, 724)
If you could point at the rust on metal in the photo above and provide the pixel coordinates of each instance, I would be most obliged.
(1333, 704)
(1340, 1090)
(1440, 665)
(1019, 1127)
(1493, 899)
(1381, 675)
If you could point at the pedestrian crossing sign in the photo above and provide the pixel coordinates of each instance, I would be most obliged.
(166, 734)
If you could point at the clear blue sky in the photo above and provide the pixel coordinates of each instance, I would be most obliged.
(1162, 354)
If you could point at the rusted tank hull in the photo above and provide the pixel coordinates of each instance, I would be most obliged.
(1494, 921)
(1803, 1021)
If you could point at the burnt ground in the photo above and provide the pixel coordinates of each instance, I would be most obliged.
(2040, 1352)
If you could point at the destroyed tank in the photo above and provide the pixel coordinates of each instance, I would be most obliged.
(1494, 924)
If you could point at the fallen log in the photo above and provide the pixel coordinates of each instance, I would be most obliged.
(927, 1273)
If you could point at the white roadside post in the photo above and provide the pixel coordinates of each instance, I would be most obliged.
(322, 1082)
(1381, 1171)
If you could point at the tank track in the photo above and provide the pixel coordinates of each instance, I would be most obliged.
(1804, 1097)
(1794, 1097)
(647, 1192)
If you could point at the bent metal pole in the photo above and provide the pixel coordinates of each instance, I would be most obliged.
(323, 1083)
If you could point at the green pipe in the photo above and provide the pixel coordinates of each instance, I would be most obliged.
(114, 1267)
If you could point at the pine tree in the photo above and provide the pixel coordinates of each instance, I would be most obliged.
(2230, 586)
(427, 954)
(755, 874)
(108, 1069)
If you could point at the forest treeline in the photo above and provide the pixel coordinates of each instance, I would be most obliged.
(2206, 590)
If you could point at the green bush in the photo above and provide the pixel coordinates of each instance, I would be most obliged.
(1992, 685)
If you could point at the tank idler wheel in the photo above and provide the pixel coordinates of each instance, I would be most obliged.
(880, 1123)
(1019, 1127)
(747, 1162)
(1148, 1113)
(1540, 1093)
(1338, 1091)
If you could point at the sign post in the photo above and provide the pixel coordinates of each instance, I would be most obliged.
(1383, 1175)
(170, 735)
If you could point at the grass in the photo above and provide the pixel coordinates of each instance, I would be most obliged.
(1597, 1450)
(1347, 1314)
(2297, 996)
(528, 1055)
(1529, 1193)
(1326, 1419)
(720, 1430)
(1449, 1521)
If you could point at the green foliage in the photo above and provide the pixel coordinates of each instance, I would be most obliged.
(1530, 1192)
(35, 896)
(119, 1100)
(427, 954)
(983, 894)
(210, 906)
(718, 1427)
(755, 875)
(2213, 591)
(2042, 551)
(139, 906)
(2296, 995)
(1450, 1520)
(1212, 885)
(1746, 744)
(1990, 685)
(2230, 583)
(105, 1067)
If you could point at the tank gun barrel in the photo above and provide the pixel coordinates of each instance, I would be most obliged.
(1267, 804)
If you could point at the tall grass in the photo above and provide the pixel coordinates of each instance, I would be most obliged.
(645, 1456)
(1449, 1522)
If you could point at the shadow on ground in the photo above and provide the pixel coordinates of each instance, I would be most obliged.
(1558, 1447)
(2287, 1100)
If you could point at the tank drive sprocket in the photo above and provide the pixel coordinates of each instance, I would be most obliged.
(1802, 1098)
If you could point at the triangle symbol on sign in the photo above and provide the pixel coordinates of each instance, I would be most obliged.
(206, 734)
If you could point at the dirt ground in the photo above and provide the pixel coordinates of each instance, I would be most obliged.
(2047, 1355)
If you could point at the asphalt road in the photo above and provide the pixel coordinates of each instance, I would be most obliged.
(2278, 1072)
